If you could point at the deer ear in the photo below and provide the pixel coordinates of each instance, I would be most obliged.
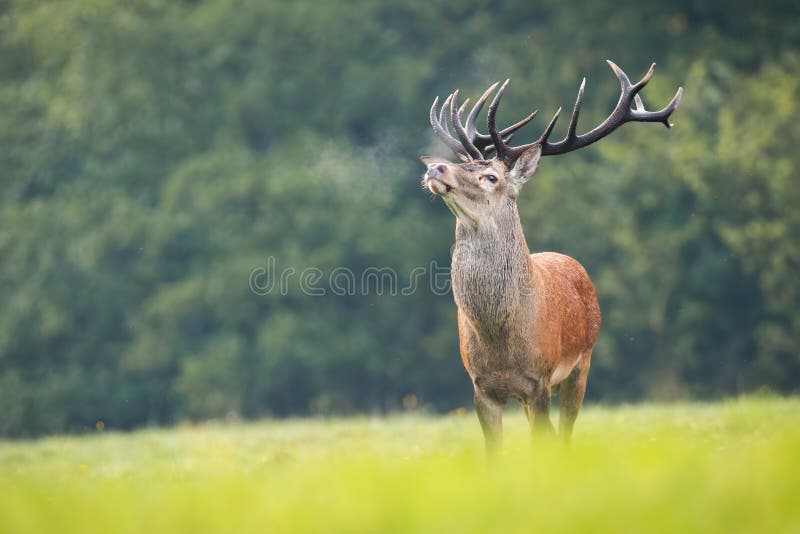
(524, 167)
(430, 160)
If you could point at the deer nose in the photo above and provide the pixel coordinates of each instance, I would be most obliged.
(436, 170)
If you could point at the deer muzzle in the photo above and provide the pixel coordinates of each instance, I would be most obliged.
(439, 180)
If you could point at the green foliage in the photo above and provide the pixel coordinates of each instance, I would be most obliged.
(660, 468)
(155, 153)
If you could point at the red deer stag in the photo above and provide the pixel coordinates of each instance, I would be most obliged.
(527, 323)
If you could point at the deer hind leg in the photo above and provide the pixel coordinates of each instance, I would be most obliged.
(570, 396)
(537, 408)
(490, 415)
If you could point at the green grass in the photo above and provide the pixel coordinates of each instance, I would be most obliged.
(725, 467)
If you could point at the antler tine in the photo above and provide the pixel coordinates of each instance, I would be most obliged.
(472, 131)
(573, 120)
(547, 131)
(624, 81)
(443, 134)
(514, 127)
(481, 141)
(662, 115)
(637, 101)
(646, 78)
(455, 118)
(462, 107)
(491, 123)
(442, 116)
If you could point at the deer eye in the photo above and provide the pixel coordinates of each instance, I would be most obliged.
(491, 177)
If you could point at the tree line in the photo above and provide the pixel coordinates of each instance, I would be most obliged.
(155, 154)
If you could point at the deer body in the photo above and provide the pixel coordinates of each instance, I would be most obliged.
(527, 319)
(527, 323)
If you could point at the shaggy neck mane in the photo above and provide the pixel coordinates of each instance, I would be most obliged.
(491, 271)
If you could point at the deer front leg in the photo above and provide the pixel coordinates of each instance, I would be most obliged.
(537, 408)
(490, 415)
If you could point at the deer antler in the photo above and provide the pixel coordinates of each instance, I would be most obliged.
(622, 113)
(472, 144)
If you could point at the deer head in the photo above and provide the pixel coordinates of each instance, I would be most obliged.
(474, 188)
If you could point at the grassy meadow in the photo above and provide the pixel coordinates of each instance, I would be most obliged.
(721, 467)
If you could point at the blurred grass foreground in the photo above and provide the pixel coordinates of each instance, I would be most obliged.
(724, 467)
(155, 154)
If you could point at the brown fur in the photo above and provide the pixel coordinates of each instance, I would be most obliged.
(527, 323)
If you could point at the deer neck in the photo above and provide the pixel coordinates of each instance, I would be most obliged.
(491, 272)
